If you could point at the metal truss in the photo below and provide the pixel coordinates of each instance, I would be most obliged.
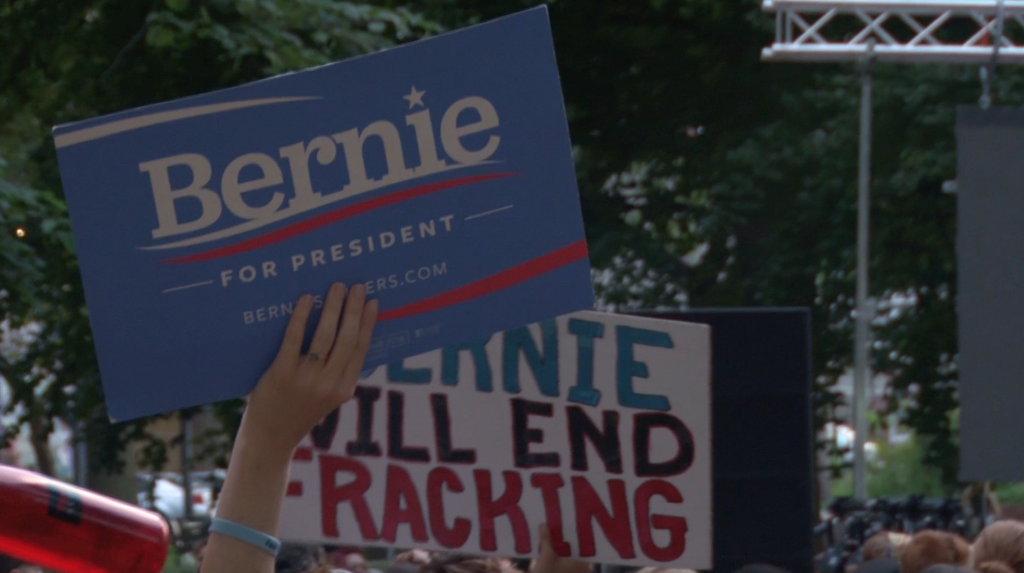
(951, 31)
(983, 32)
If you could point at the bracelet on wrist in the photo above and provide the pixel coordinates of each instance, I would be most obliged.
(246, 534)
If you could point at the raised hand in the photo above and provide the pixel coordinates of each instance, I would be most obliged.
(298, 389)
(294, 395)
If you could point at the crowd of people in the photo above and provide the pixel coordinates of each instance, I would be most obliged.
(296, 558)
(998, 549)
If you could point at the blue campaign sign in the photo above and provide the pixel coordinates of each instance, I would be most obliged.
(439, 174)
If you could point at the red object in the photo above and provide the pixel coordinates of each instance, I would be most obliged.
(57, 526)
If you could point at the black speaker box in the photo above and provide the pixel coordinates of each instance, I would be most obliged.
(763, 439)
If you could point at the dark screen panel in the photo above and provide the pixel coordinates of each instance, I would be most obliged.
(990, 308)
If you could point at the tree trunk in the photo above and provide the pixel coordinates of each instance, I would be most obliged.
(123, 485)
(39, 436)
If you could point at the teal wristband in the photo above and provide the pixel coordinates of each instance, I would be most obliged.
(246, 534)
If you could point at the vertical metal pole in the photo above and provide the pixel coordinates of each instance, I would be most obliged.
(984, 504)
(81, 456)
(186, 456)
(861, 368)
(3, 390)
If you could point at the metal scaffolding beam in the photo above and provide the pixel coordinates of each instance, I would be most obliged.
(948, 31)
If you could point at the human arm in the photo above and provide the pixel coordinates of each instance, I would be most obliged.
(295, 394)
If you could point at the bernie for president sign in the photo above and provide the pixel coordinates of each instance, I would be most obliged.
(439, 174)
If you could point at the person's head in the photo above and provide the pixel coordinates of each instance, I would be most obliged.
(417, 556)
(1000, 548)
(355, 562)
(885, 545)
(877, 565)
(8, 564)
(663, 570)
(409, 561)
(11, 565)
(455, 563)
(761, 568)
(944, 568)
(294, 558)
(929, 548)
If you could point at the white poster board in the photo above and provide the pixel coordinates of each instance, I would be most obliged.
(597, 424)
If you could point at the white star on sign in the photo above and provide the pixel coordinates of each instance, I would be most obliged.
(415, 98)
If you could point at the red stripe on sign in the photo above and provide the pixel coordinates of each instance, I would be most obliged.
(294, 489)
(342, 213)
(494, 283)
(303, 455)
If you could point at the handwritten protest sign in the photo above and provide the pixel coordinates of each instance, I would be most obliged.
(438, 173)
(598, 424)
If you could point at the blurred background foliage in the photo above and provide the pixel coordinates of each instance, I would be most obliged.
(708, 178)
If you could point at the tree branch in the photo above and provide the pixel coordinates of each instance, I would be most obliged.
(130, 45)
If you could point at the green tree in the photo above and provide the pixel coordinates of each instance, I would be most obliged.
(67, 60)
(710, 178)
(900, 471)
(25, 293)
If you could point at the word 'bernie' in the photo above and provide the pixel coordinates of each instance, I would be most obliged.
(544, 365)
(297, 157)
